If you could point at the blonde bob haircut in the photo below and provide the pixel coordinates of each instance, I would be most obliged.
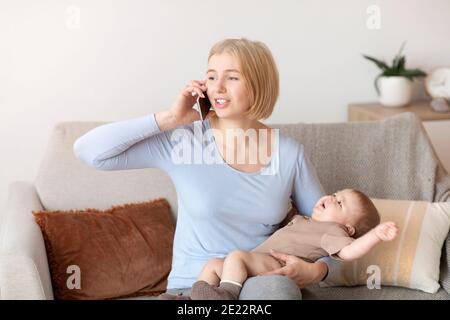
(259, 71)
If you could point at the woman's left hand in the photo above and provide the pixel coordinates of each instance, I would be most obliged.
(302, 272)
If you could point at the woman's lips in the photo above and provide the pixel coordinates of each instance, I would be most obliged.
(218, 105)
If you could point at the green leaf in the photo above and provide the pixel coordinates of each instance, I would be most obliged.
(376, 84)
(412, 73)
(399, 63)
(390, 72)
(401, 48)
(395, 63)
(380, 64)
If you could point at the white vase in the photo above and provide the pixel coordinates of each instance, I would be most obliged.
(395, 91)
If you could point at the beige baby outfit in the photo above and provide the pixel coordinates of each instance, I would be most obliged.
(308, 239)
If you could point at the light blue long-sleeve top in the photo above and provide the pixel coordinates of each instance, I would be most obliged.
(219, 207)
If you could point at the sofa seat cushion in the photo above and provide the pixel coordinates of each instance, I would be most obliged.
(363, 293)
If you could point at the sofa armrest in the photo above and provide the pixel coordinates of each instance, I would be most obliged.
(24, 271)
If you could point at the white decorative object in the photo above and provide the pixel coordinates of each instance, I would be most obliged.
(437, 83)
(395, 91)
(440, 105)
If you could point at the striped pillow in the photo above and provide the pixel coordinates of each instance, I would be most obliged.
(412, 259)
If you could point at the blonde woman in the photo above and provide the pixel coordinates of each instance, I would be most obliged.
(233, 198)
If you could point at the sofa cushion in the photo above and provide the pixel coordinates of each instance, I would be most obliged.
(123, 251)
(65, 183)
(387, 159)
(411, 260)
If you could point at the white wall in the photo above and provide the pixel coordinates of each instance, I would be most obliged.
(129, 58)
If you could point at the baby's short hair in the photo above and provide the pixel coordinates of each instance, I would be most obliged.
(259, 70)
(368, 216)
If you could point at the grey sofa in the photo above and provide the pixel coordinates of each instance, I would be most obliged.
(392, 158)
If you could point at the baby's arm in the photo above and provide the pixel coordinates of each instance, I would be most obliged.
(383, 232)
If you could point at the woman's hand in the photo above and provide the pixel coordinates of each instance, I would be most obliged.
(182, 110)
(302, 272)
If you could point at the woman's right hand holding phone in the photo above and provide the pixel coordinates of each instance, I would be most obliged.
(182, 110)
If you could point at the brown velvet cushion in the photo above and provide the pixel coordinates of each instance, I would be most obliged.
(123, 251)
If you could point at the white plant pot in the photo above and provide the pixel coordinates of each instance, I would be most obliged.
(395, 91)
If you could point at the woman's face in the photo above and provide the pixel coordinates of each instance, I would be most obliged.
(225, 81)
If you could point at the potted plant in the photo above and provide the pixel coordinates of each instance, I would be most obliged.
(394, 84)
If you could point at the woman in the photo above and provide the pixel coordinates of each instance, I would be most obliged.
(224, 204)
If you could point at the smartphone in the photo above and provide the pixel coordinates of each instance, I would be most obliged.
(204, 106)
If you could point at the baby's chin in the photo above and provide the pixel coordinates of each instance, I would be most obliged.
(315, 216)
(319, 216)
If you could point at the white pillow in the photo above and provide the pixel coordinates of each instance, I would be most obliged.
(412, 259)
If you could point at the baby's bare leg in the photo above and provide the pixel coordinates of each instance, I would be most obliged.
(212, 271)
(239, 265)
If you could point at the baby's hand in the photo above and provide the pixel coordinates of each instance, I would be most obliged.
(386, 231)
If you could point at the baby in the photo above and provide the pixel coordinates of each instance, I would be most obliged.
(344, 226)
